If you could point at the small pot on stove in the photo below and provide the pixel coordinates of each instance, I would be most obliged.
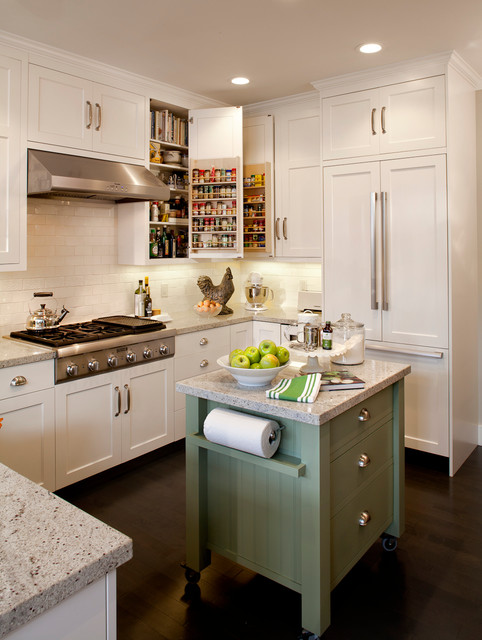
(43, 318)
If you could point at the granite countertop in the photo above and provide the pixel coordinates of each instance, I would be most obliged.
(15, 352)
(49, 550)
(220, 386)
(188, 321)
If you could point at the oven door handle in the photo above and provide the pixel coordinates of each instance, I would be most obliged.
(117, 390)
(128, 398)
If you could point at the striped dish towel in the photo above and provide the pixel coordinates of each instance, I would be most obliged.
(301, 389)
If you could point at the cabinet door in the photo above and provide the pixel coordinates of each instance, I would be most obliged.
(88, 427)
(119, 122)
(60, 109)
(412, 115)
(147, 406)
(266, 331)
(416, 251)
(216, 133)
(27, 436)
(351, 215)
(241, 335)
(12, 168)
(351, 125)
(298, 226)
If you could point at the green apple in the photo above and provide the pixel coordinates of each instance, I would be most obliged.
(240, 361)
(255, 365)
(267, 346)
(235, 352)
(282, 354)
(253, 354)
(269, 361)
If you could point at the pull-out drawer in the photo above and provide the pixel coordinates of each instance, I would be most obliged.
(357, 422)
(351, 536)
(354, 468)
(188, 344)
(26, 378)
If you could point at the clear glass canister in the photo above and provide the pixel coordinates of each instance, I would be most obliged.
(351, 335)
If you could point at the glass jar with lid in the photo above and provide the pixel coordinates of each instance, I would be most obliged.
(351, 335)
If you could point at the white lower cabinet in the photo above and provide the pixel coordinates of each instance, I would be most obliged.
(111, 418)
(266, 331)
(27, 428)
(89, 613)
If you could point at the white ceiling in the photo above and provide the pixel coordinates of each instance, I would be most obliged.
(281, 45)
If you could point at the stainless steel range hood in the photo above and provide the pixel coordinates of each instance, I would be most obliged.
(57, 175)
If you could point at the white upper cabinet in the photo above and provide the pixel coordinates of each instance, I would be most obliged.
(69, 111)
(13, 165)
(216, 133)
(408, 116)
(298, 218)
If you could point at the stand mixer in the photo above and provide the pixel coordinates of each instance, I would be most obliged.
(256, 293)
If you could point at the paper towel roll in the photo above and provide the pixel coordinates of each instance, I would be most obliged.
(242, 431)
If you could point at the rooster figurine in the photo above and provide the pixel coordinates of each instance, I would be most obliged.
(220, 292)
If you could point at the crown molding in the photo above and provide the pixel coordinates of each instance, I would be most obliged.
(309, 97)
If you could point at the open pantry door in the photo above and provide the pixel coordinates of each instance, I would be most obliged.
(216, 183)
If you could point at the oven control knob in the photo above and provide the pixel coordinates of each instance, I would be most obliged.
(163, 350)
(112, 361)
(72, 369)
(147, 353)
(93, 365)
(131, 356)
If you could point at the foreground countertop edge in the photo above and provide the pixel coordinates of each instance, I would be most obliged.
(49, 550)
(14, 353)
(219, 386)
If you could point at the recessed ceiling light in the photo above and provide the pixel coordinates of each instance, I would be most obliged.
(240, 80)
(371, 47)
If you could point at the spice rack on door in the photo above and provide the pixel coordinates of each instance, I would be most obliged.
(257, 219)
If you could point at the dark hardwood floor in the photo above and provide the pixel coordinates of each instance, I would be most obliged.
(429, 588)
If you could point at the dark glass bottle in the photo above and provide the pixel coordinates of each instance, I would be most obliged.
(327, 336)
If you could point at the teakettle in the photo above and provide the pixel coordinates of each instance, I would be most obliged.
(43, 318)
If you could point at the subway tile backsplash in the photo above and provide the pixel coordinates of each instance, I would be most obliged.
(72, 251)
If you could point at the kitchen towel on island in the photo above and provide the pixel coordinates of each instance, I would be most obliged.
(300, 389)
(242, 431)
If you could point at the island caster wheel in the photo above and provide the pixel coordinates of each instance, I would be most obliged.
(307, 635)
(190, 574)
(389, 543)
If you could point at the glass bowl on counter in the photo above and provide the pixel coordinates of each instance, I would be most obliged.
(251, 377)
(208, 311)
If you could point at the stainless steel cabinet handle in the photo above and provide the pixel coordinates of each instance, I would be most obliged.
(373, 250)
(99, 116)
(277, 229)
(383, 119)
(363, 461)
(364, 415)
(128, 398)
(203, 341)
(374, 133)
(285, 229)
(18, 381)
(384, 251)
(364, 518)
(89, 104)
(117, 390)
(203, 363)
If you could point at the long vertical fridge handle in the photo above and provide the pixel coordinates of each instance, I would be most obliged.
(373, 250)
(384, 251)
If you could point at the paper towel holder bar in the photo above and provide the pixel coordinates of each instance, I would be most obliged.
(274, 434)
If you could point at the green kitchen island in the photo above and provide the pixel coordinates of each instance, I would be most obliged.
(304, 517)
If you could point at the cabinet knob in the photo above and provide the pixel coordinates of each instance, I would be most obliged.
(364, 415)
(203, 341)
(364, 518)
(203, 363)
(363, 461)
(18, 381)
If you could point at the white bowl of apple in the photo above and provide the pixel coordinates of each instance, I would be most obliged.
(256, 366)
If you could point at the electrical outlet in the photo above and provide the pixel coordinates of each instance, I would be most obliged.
(164, 291)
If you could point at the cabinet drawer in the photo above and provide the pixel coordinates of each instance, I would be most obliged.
(350, 471)
(349, 426)
(350, 540)
(200, 341)
(189, 366)
(37, 375)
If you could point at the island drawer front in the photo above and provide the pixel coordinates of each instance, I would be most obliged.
(194, 365)
(354, 468)
(356, 422)
(26, 378)
(349, 539)
(189, 344)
